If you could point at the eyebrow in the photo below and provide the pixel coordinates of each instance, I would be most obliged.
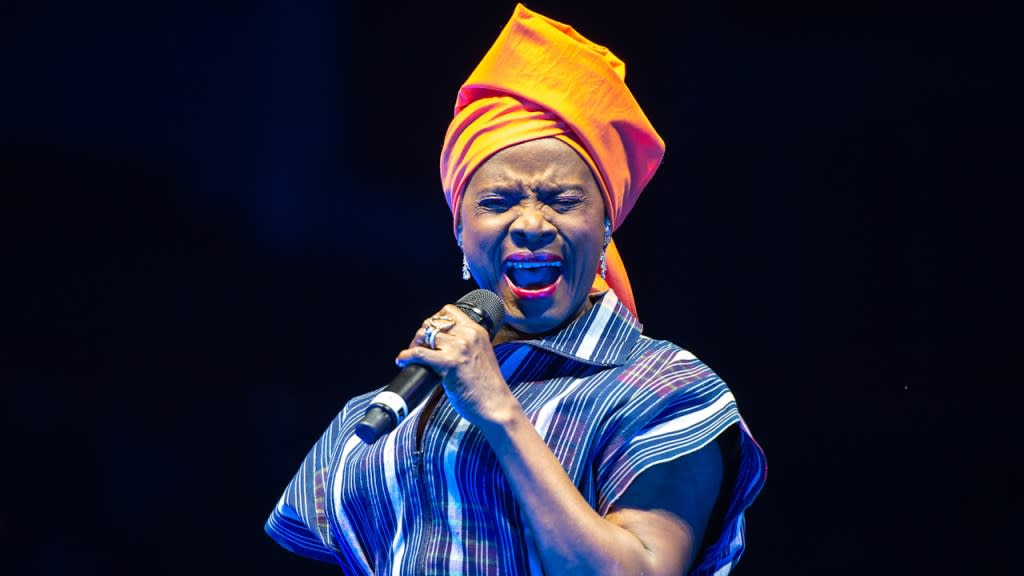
(545, 188)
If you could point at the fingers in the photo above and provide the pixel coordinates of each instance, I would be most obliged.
(455, 313)
(435, 327)
(449, 329)
(444, 321)
(430, 337)
(436, 359)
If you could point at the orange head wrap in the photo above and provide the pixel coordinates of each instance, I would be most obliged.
(543, 79)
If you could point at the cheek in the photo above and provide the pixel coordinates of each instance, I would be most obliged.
(482, 252)
(593, 235)
(480, 245)
(592, 255)
(587, 248)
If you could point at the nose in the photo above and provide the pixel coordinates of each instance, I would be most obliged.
(531, 229)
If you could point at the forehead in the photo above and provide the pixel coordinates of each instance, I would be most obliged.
(543, 163)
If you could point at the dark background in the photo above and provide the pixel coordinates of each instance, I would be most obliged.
(224, 218)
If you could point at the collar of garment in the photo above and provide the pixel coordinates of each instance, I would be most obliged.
(603, 336)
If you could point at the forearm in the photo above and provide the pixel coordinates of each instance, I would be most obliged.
(571, 537)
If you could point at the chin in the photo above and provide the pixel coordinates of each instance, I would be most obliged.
(538, 315)
(534, 324)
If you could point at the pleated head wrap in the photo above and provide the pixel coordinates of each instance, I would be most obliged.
(543, 79)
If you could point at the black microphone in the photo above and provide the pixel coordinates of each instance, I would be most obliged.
(415, 382)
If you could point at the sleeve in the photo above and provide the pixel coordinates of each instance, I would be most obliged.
(688, 487)
(682, 406)
(299, 522)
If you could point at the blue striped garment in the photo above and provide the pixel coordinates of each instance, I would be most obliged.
(608, 401)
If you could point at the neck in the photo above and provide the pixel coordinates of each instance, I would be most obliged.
(508, 333)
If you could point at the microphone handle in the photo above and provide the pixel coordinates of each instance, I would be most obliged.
(408, 389)
(415, 382)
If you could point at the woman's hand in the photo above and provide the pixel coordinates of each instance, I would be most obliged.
(577, 539)
(464, 358)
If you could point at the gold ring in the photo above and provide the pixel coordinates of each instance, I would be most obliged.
(441, 323)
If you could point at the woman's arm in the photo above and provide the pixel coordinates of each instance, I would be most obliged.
(655, 528)
(686, 488)
(639, 536)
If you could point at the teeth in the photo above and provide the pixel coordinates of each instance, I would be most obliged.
(518, 264)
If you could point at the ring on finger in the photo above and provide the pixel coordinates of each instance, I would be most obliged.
(429, 336)
(440, 323)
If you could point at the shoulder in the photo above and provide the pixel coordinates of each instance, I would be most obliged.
(667, 367)
(661, 351)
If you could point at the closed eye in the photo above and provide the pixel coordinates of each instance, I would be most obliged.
(566, 203)
(495, 203)
(565, 200)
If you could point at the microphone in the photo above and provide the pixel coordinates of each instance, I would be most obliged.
(415, 382)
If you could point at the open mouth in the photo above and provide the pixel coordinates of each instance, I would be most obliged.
(534, 275)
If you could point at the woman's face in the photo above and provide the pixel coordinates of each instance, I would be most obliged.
(532, 222)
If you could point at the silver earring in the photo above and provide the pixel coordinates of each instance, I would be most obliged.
(607, 239)
(465, 265)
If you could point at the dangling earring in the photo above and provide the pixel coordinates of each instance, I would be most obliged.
(465, 265)
(607, 239)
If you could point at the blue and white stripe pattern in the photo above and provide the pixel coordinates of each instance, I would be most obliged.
(609, 402)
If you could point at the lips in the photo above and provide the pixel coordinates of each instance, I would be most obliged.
(533, 275)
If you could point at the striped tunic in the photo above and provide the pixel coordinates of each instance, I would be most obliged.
(608, 401)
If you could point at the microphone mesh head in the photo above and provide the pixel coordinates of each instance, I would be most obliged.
(488, 304)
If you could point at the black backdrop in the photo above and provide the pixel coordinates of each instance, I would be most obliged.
(222, 219)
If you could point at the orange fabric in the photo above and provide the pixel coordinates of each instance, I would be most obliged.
(543, 79)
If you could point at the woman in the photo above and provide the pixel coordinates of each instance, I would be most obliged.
(569, 443)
